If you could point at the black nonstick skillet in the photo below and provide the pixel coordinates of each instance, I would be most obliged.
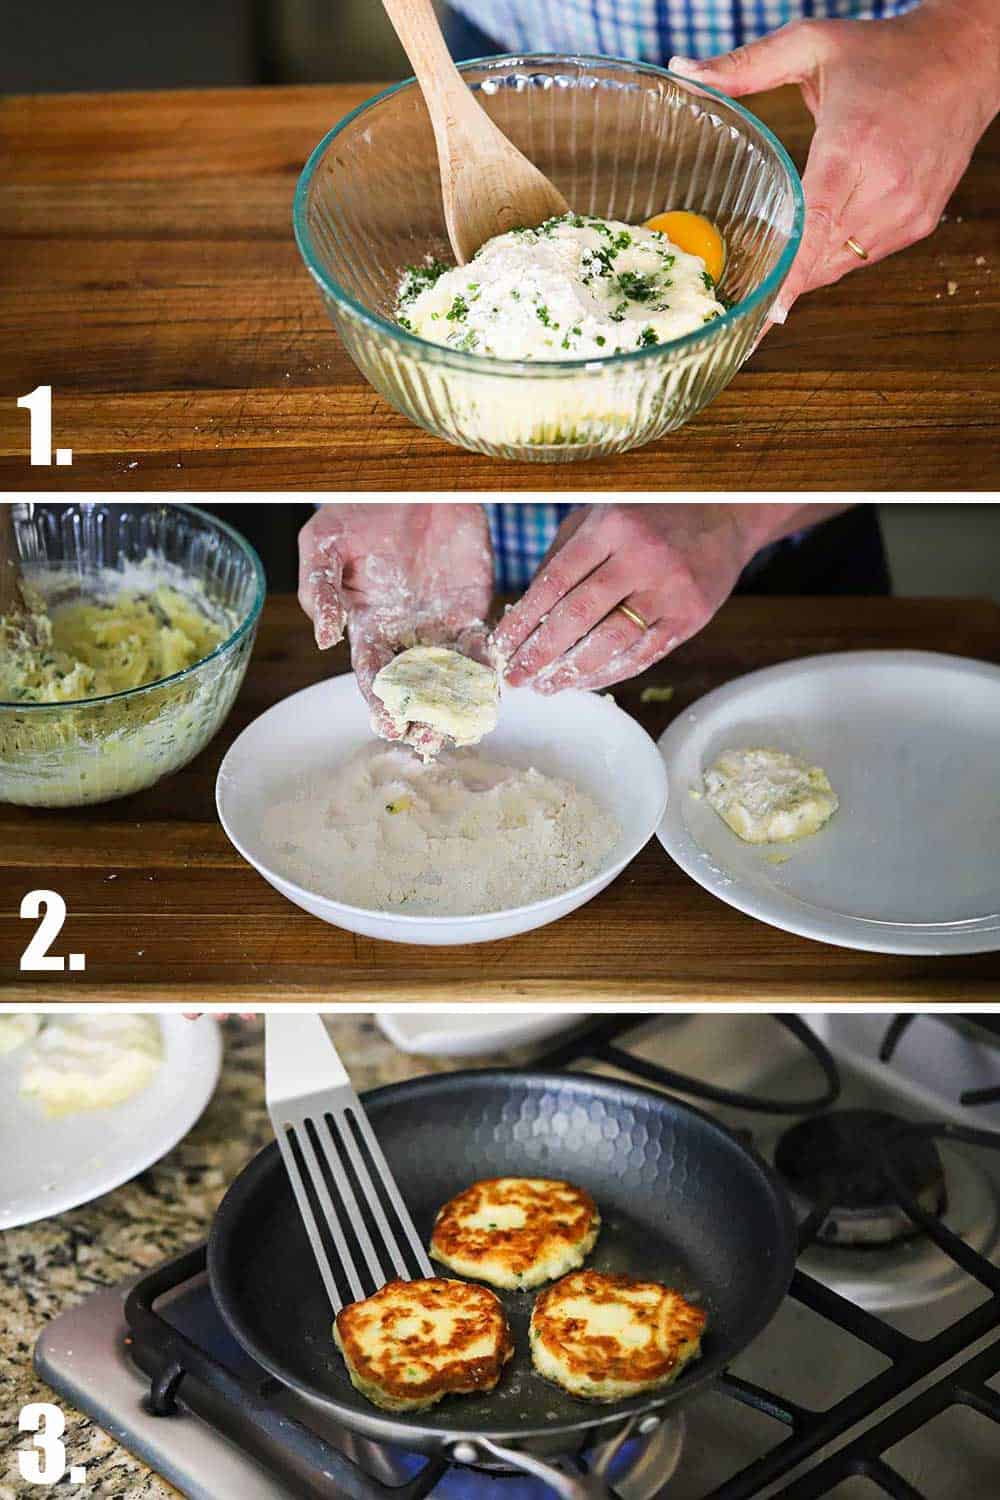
(682, 1201)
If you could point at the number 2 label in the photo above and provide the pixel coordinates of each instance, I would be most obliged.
(36, 958)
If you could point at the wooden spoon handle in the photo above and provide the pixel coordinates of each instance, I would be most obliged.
(441, 83)
(11, 602)
(487, 185)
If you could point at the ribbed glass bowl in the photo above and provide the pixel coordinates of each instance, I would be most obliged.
(621, 140)
(95, 749)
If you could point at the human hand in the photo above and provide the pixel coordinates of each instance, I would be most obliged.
(396, 576)
(899, 106)
(672, 564)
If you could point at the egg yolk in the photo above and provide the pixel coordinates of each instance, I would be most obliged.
(695, 234)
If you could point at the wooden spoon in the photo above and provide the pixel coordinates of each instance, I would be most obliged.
(11, 598)
(488, 187)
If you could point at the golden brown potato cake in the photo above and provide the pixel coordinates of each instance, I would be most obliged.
(414, 1342)
(608, 1337)
(516, 1231)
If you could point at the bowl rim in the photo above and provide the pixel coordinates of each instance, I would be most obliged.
(408, 920)
(246, 624)
(545, 368)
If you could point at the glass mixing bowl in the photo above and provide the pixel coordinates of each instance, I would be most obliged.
(621, 140)
(94, 749)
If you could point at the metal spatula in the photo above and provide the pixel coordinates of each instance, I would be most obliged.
(345, 1191)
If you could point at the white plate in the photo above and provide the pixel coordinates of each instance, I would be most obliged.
(471, 1034)
(910, 863)
(583, 737)
(48, 1166)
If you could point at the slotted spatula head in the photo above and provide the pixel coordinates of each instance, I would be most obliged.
(358, 1225)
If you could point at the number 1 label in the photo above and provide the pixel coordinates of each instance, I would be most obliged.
(38, 404)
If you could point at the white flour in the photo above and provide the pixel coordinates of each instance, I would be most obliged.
(459, 836)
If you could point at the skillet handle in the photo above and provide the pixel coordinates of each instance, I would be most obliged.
(565, 1486)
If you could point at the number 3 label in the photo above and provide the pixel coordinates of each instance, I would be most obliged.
(45, 1463)
(36, 958)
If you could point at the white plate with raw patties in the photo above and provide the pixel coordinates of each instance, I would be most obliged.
(88, 1101)
(908, 861)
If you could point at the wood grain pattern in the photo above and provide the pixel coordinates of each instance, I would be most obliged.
(148, 273)
(166, 910)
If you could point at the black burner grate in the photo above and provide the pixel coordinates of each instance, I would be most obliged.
(168, 1355)
(911, 1361)
(989, 1026)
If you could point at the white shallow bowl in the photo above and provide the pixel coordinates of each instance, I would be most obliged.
(470, 1033)
(50, 1165)
(910, 863)
(579, 736)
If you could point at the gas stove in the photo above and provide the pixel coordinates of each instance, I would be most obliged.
(879, 1375)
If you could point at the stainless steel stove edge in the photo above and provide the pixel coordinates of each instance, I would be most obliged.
(174, 1449)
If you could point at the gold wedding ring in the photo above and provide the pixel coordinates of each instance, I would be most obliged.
(851, 244)
(633, 615)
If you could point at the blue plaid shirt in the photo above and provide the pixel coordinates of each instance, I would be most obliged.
(522, 533)
(650, 30)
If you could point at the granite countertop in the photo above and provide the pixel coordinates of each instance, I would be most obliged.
(48, 1267)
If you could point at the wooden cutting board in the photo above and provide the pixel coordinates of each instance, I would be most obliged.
(150, 277)
(164, 908)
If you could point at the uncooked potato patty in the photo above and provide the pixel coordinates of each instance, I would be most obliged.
(16, 1030)
(769, 796)
(82, 1062)
(608, 1337)
(516, 1231)
(434, 685)
(415, 1342)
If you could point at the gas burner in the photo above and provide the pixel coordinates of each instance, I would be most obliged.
(832, 1167)
(210, 1442)
(640, 1470)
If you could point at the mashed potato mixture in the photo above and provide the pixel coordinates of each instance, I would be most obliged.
(73, 728)
(577, 287)
(90, 649)
(15, 1031)
(91, 1062)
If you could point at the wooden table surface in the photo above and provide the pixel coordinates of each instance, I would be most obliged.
(164, 908)
(149, 275)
